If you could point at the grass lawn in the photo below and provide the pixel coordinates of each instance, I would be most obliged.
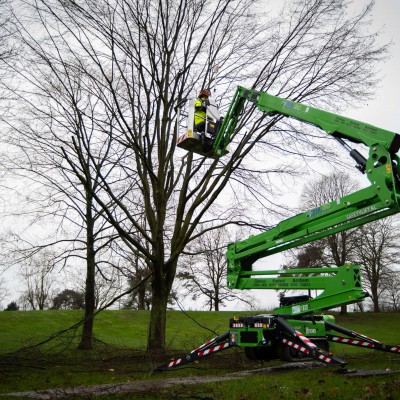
(119, 357)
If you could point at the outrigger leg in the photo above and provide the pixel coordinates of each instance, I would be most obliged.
(305, 345)
(358, 340)
(213, 346)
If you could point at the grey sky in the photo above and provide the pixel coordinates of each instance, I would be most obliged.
(383, 109)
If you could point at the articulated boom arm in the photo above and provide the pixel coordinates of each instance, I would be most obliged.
(377, 201)
(332, 124)
(340, 285)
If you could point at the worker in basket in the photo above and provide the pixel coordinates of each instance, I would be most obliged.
(200, 115)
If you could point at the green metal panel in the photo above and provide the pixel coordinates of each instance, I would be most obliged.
(248, 336)
(311, 329)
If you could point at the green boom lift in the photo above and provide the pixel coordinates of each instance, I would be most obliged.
(294, 330)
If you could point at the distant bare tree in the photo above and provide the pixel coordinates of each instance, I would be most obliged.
(377, 252)
(391, 298)
(3, 290)
(338, 248)
(110, 282)
(335, 249)
(140, 299)
(40, 281)
(203, 271)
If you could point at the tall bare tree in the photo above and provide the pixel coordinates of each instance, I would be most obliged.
(138, 59)
(57, 198)
(35, 154)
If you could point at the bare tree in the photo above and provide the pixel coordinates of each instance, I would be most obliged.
(56, 193)
(203, 271)
(3, 290)
(335, 249)
(40, 282)
(56, 198)
(391, 298)
(338, 248)
(139, 299)
(109, 284)
(110, 280)
(377, 252)
(138, 59)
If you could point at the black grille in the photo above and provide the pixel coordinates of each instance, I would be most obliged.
(248, 337)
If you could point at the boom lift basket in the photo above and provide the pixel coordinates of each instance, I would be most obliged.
(201, 142)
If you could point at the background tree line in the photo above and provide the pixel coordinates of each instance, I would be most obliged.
(202, 273)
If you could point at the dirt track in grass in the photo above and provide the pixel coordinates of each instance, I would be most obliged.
(149, 386)
(155, 385)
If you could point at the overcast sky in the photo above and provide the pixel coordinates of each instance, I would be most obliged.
(383, 111)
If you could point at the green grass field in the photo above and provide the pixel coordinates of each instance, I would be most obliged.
(119, 357)
(116, 328)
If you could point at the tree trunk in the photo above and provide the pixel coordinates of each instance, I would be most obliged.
(216, 300)
(343, 310)
(160, 288)
(142, 296)
(86, 342)
(375, 299)
(157, 324)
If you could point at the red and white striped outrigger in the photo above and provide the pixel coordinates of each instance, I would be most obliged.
(305, 345)
(359, 340)
(213, 346)
(289, 337)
